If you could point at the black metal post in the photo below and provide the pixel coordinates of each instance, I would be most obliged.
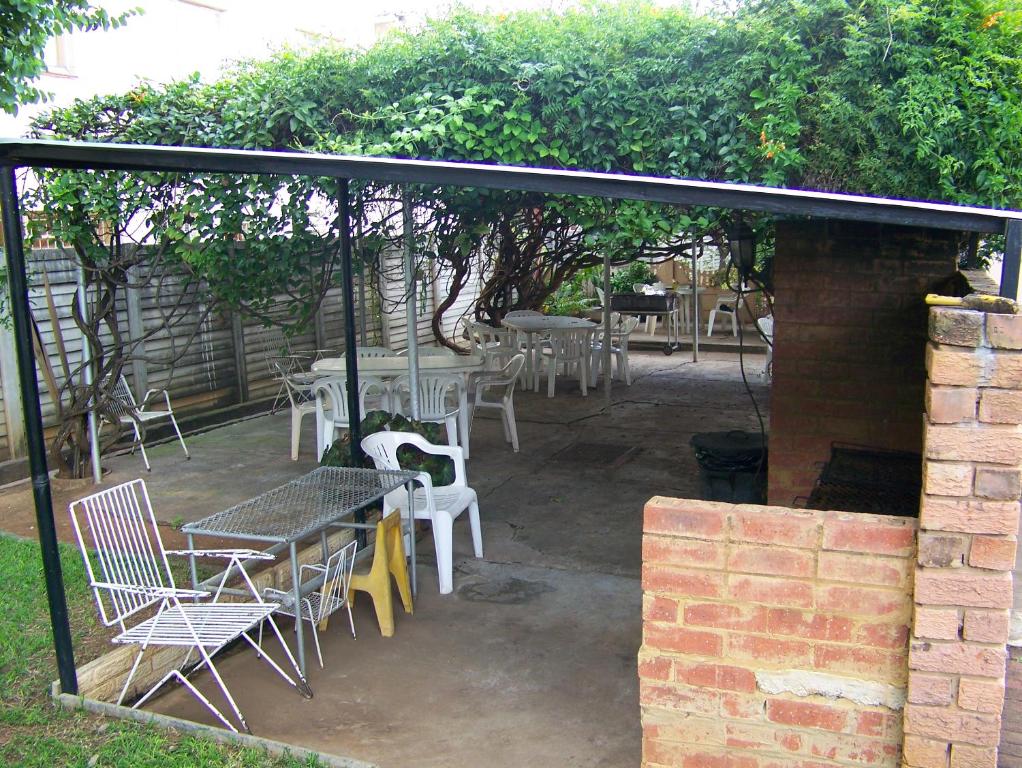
(350, 348)
(1012, 256)
(20, 310)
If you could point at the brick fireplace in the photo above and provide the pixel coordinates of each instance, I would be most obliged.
(776, 636)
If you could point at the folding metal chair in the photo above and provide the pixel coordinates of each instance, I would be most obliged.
(130, 577)
(127, 411)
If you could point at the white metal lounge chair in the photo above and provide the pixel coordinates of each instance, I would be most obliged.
(131, 579)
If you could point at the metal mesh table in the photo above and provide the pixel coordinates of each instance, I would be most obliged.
(304, 507)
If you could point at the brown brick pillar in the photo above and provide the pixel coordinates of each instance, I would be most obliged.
(849, 334)
(968, 523)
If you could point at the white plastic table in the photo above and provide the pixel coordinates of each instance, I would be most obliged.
(392, 367)
(533, 325)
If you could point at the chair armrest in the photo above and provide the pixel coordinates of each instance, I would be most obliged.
(154, 592)
(316, 567)
(149, 392)
(241, 554)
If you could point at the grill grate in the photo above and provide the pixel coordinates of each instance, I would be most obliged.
(862, 479)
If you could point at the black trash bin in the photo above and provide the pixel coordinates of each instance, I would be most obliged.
(732, 466)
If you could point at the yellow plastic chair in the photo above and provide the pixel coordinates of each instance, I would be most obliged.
(388, 560)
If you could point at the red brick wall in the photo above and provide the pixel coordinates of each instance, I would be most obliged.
(733, 594)
(849, 336)
(969, 516)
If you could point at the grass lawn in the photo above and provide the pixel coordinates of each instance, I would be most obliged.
(32, 731)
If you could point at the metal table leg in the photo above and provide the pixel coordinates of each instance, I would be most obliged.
(296, 589)
(410, 485)
(191, 562)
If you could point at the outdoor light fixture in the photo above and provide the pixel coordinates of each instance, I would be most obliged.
(741, 241)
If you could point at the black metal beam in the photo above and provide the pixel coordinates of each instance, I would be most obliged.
(21, 312)
(1012, 258)
(792, 202)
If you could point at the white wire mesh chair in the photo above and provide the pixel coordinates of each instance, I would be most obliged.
(441, 505)
(331, 596)
(122, 405)
(503, 381)
(131, 578)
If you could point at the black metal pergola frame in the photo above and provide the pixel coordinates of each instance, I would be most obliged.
(20, 153)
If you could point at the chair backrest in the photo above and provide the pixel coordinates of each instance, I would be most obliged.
(626, 325)
(336, 578)
(331, 393)
(375, 352)
(382, 448)
(296, 395)
(485, 335)
(571, 343)
(638, 287)
(523, 313)
(600, 295)
(766, 327)
(507, 376)
(121, 401)
(431, 352)
(120, 526)
(433, 392)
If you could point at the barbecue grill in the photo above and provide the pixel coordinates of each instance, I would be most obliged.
(663, 304)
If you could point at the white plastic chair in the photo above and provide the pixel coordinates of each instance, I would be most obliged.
(523, 313)
(375, 352)
(331, 397)
(766, 328)
(301, 399)
(430, 352)
(620, 332)
(568, 347)
(496, 345)
(131, 578)
(727, 306)
(504, 379)
(330, 597)
(436, 405)
(127, 411)
(441, 505)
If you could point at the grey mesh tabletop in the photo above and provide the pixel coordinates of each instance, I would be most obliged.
(302, 507)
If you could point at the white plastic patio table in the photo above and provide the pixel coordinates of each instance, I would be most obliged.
(534, 325)
(396, 366)
(305, 506)
(392, 367)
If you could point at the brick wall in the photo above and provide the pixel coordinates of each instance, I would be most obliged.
(849, 336)
(968, 522)
(773, 637)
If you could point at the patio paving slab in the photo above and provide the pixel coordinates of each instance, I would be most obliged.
(520, 666)
(532, 661)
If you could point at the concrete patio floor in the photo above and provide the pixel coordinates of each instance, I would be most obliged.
(532, 660)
